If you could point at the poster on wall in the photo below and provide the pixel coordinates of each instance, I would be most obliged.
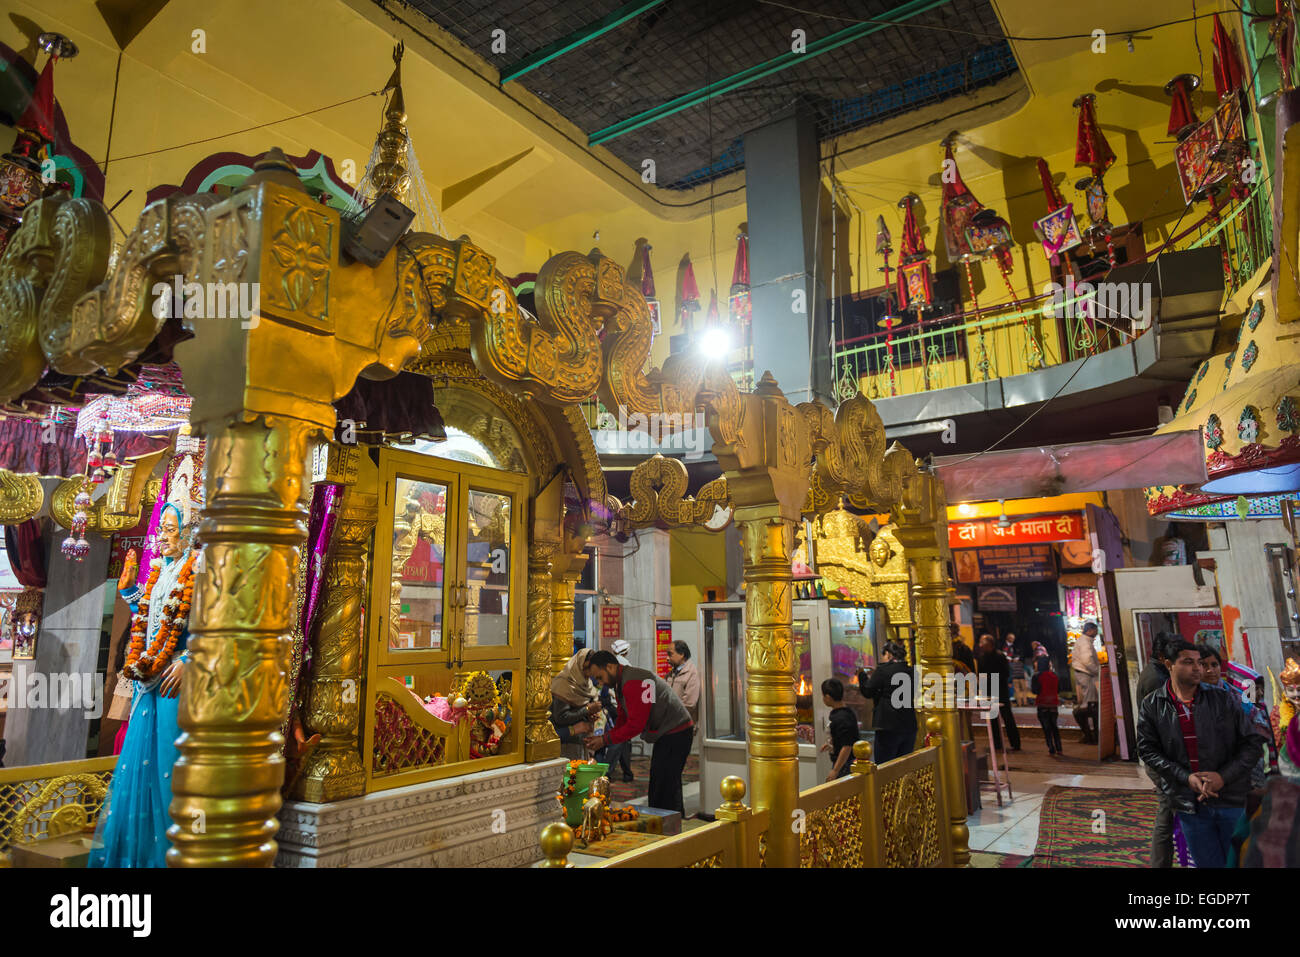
(611, 622)
(663, 643)
(1018, 563)
(1201, 627)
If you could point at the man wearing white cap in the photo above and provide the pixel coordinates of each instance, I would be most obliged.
(624, 750)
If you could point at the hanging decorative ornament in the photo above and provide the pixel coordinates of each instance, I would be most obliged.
(960, 208)
(1058, 231)
(915, 283)
(690, 294)
(1182, 116)
(75, 547)
(883, 249)
(1228, 74)
(1092, 150)
(739, 304)
(20, 168)
(648, 287)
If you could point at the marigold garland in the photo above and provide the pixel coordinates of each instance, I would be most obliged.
(145, 665)
(570, 782)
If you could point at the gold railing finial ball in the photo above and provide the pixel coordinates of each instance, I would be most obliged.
(556, 842)
(933, 724)
(733, 791)
(862, 750)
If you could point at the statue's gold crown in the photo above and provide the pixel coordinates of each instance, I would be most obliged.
(1291, 673)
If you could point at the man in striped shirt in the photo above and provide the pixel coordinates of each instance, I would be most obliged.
(1200, 747)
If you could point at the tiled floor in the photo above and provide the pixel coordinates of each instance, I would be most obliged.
(1013, 828)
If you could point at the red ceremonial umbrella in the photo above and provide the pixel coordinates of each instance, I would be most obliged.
(1228, 73)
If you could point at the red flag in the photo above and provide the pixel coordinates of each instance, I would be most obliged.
(647, 277)
(913, 245)
(740, 271)
(690, 291)
(38, 118)
(1182, 118)
(712, 317)
(1054, 198)
(1227, 65)
(1090, 146)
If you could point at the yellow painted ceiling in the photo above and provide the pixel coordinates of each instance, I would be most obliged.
(265, 61)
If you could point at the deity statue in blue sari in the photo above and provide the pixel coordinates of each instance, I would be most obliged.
(132, 827)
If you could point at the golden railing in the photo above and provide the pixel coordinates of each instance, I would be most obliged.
(892, 815)
(46, 800)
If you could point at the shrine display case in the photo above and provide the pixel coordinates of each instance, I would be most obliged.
(832, 639)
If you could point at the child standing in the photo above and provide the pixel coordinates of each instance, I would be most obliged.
(1046, 689)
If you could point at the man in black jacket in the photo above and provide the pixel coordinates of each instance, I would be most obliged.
(1155, 673)
(994, 663)
(894, 716)
(1201, 746)
(960, 650)
(1154, 677)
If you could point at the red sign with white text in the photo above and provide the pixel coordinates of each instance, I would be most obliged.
(611, 621)
(985, 532)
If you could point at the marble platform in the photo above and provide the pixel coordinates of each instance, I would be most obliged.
(488, 819)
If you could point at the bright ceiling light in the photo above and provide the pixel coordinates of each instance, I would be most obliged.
(715, 343)
(966, 510)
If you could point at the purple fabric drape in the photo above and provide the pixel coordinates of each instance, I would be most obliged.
(393, 406)
(320, 536)
(24, 446)
(151, 534)
(26, 553)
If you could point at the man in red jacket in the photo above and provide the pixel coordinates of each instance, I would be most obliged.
(1046, 688)
(649, 708)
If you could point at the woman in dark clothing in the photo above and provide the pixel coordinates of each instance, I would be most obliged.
(1046, 687)
(890, 687)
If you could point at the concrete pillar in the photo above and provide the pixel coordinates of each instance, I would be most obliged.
(68, 646)
(782, 184)
(647, 593)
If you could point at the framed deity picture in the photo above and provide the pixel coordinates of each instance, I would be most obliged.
(1058, 231)
(982, 238)
(1197, 167)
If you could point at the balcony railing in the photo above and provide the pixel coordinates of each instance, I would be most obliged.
(1012, 338)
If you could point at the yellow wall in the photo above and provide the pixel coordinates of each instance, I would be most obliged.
(698, 560)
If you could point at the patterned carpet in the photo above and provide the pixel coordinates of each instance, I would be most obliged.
(1071, 832)
(641, 768)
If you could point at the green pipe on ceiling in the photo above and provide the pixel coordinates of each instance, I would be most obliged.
(577, 38)
(786, 60)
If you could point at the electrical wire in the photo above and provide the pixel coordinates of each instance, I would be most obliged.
(248, 129)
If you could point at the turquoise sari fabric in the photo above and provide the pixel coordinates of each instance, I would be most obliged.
(132, 828)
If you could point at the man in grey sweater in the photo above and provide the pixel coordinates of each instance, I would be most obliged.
(649, 708)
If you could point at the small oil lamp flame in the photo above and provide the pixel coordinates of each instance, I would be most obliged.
(804, 687)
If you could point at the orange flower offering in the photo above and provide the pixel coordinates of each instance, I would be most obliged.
(146, 664)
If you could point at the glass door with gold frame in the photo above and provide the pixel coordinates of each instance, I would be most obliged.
(447, 600)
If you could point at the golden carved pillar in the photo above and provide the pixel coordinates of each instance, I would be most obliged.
(540, 740)
(765, 461)
(769, 672)
(332, 705)
(924, 533)
(226, 782)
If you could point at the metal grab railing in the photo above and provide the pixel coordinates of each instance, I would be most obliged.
(1013, 338)
(892, 815)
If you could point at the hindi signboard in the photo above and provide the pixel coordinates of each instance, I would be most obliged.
(611, 622)
(663, 643)
(1014, 563)
(985, 532)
